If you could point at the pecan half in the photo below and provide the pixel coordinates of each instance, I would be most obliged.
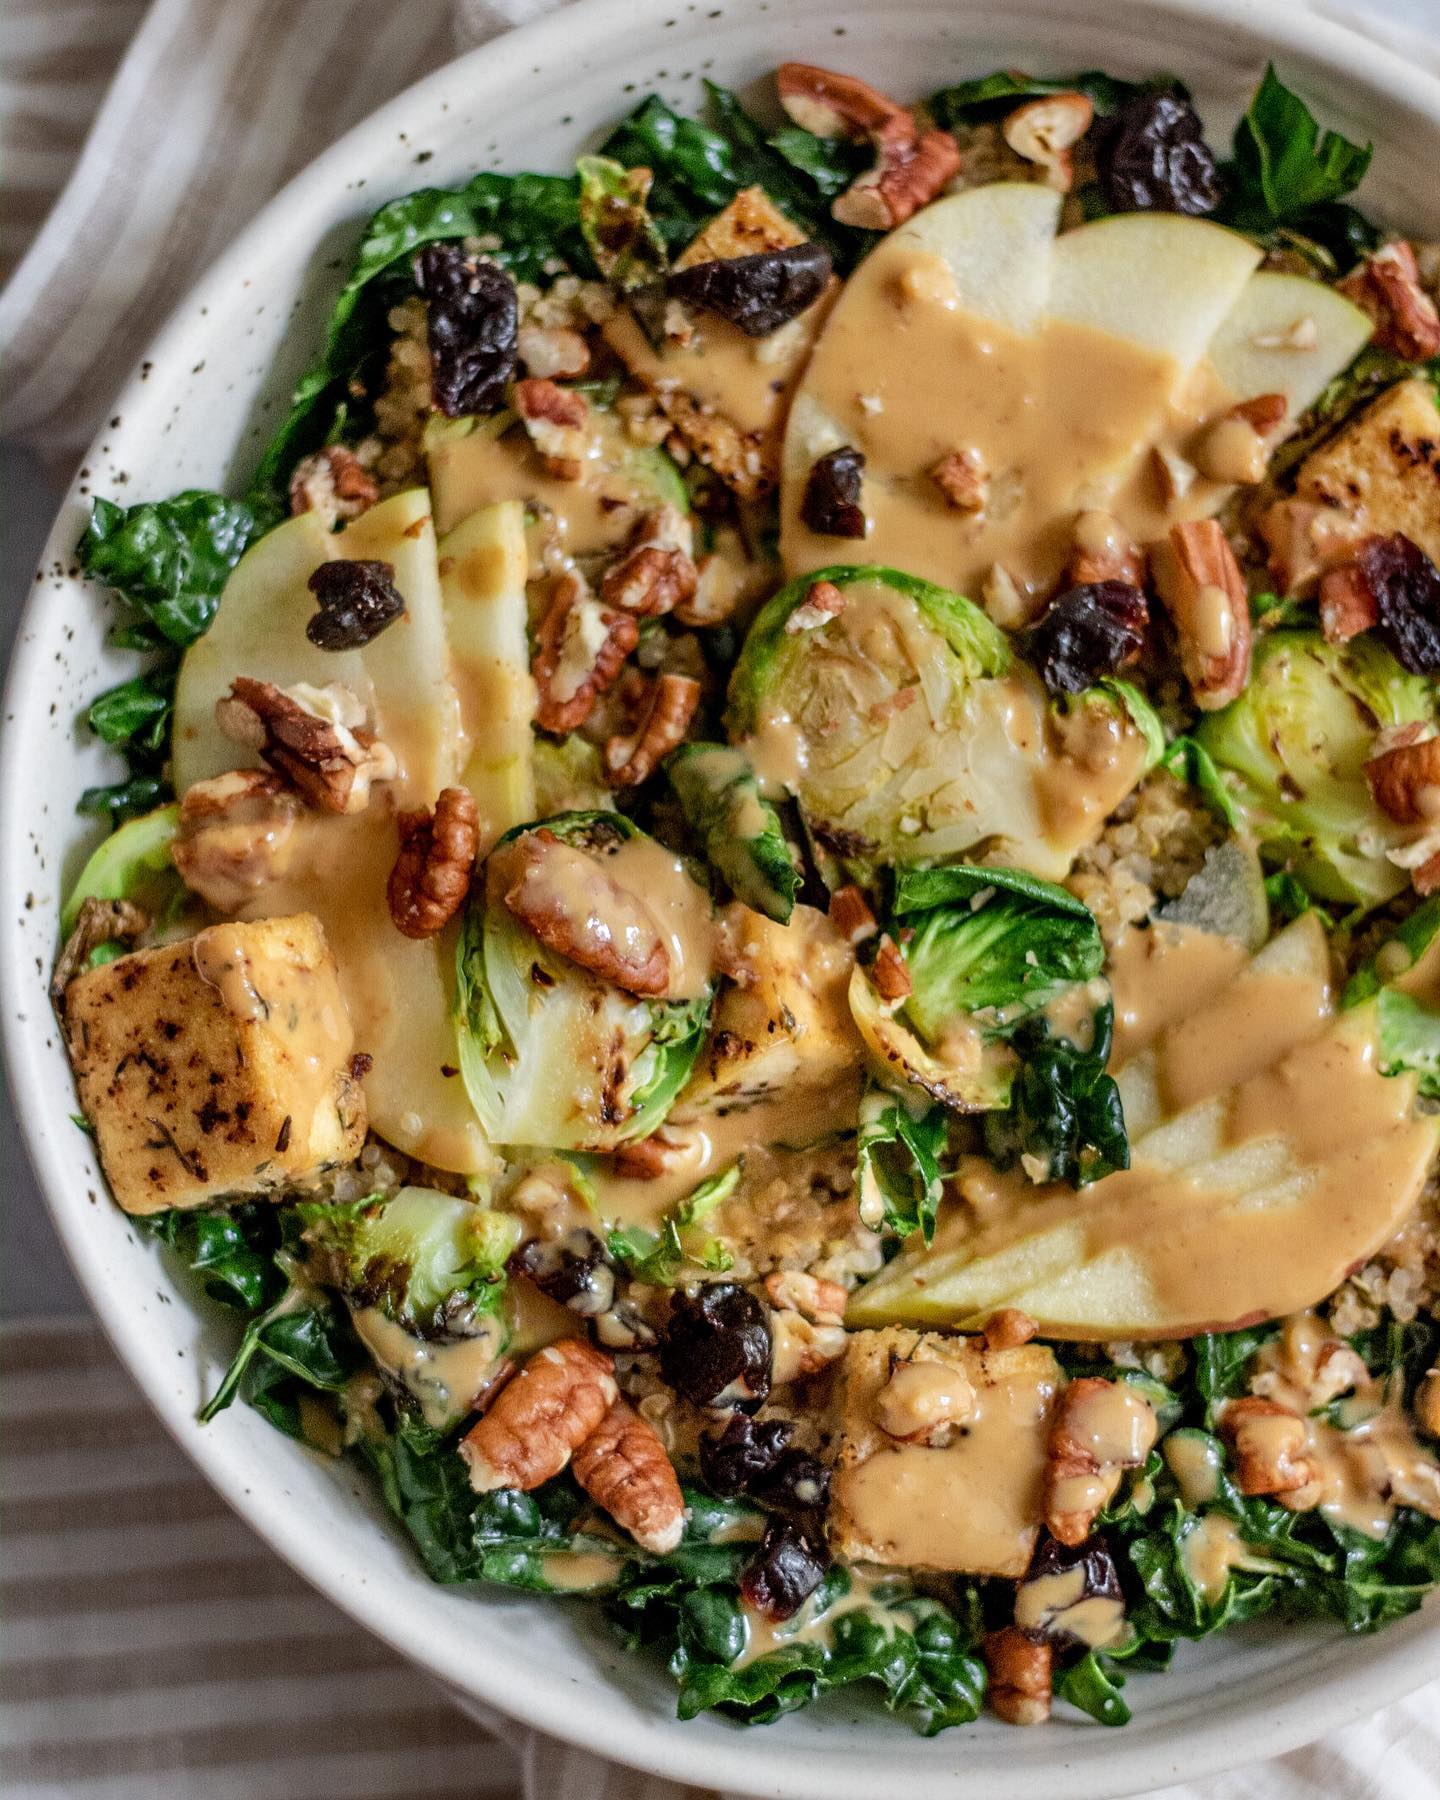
(1304, 540)
(1269, 1442)
(961, 477)
(580, 648)
(314, 736)
(905, 179)
(431, 876)
(622, 1465)
(1103, 551)
(1236, 448)
(656, 573)
(554, 419)
(576, 909)
(540, 1417)
(669, 707)
(233, 835)
(829, 104)
(1045, 131)
(1200, 582)
(100, 922)
(1100, 1429)
(334, 483)
(1387, 286)
(1347, 606)
(1020, 1676)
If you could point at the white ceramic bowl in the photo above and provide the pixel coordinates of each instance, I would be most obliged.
(194, 414)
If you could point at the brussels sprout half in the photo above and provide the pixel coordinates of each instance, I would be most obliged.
(909, 732)
(1292, 751)
(133, 863)
(552, 1055)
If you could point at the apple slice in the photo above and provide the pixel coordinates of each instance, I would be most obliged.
(1286, 335)
(483, 565)
(997, 242)
(1155, 279)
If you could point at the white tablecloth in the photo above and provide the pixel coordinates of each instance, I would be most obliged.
(152, 1648)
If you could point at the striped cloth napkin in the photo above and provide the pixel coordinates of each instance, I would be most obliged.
(153, 1648)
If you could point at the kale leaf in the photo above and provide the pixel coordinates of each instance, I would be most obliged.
(1064, 1108)
(991, 96)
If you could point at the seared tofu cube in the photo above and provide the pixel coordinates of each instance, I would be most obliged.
(970, 1501)
(728, 394)
(217, 1067)
(1384, 466)
(783, 1024)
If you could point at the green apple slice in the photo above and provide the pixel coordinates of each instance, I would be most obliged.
(1287, 335)
(483, 566)
(1155, 279)
(997, 242)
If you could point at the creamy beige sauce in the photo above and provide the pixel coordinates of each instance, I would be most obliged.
(1063, 421)
(1210, 1550)
(813, 1626)
(580, 1571)
(1117, 1427)
(679, 908)
(1195, 1460)
(444, 1377)
(1161, 975)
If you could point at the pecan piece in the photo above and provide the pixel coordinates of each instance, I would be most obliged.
(575, 909)
(1045, 131)
(1008, 1329)
(622, 1465)
(580, 648)
(1104, 551)
(1387, 286)
(656, 573)
(1236, 448)
(1200, 582)
(1304, 540)
(554, 419)
(540, 1417)
(334, 483)
(905, 179)
(851, 914)
(888, 971)
(1269, 1442)
(233, 835)
(961, 477)
(801, 1347)
(829, 104)
(814, 1298)
(315, 737)
(1404, 775)
(1020, 1676)
(431, 876)
(669, 707)
(924, 1402)
(1347, 606)
(100, 922)
(551, 351)
(823, 602)
(1100, 1429)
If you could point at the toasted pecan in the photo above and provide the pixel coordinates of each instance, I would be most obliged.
(1020, 1676)
(1099, 1429)
(580, 649)
(575, 909)
(314, 736)
(669, 707)
(1387, 286)
(431, 875)
(623, 1466)
(540, 1417)
(1200, 582)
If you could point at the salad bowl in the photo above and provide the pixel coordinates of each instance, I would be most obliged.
(196, 413)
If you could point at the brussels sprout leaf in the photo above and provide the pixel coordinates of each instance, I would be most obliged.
(898, 1163)
(624, 242)
(740, 832)
(658, 1258)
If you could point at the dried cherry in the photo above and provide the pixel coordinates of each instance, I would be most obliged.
(1405, 586)
(743, 1454)
(798, 1483)
(357, 601)
(472, 328)
(788, 1567)
(758, 293)
(1086, 632)
(1099, 1581)
(574, 1270)
(716, 1348)
(1152, 157)
(831, 504)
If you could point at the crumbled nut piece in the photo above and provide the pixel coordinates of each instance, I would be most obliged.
(553, 351)
(1305, 539)
(233, 835)
(1104, 551)
(962, 478)
(906, 178)
(1387, 287)
(924, 1402)
(316, 737)
(1008, 1329)
(1004, 600)
(1404, 777)
(1044, 132)
(801, 1347)
(822, 1302)
(540, 1417)
(1269, 1443)
(1174, 475)
(1199, 580)
(622, 1465)
(334, 483)
(888, 971)
(1100, 1429)
(662, 1153)
(670, 706)
(1020, 1676)
(565, 897)
(1236, 448)
(851, 913)
(823, 602)
(656, 573)
(555, 419)
(431, 876)
(100, 922)
(1300, 334)
(580, 648)
(1347, 607)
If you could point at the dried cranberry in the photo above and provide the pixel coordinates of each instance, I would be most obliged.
(1405, 586)
(1052, 1611)
(757, 293)
(788, 1567)
(573, 1270)
(1089, 631)
(798, 1483)
(716, 1348)
(357, 601)
(743, 1454)
(831, 504)
(1152, 157)
(472, 325)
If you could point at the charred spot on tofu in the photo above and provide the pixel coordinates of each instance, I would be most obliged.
(1383, 467)
(970, 1503)
(217, 1066)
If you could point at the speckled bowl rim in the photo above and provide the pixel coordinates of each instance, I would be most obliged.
(1274, 1718)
